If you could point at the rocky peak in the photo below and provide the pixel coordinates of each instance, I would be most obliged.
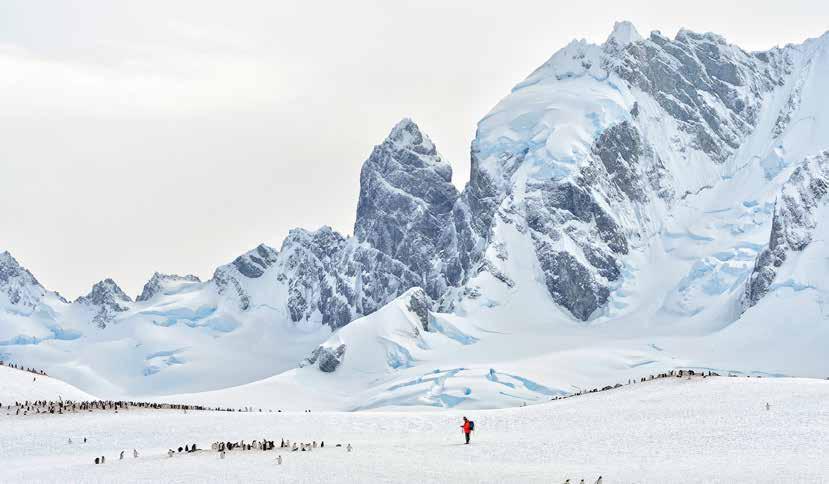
(159, 281)
(406, 201)
(322, 243)
(254, 263)
(406, 135)
(10, 268)
(230, 279)
(108, 298)
(17, 283)
(105, 292)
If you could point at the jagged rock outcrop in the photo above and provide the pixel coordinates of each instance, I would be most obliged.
(328, 278)
(404, 237)
(254, 263)
(327, 359)
(793, 226)
(577, 240)
(230, 279)
(420, 305)
(158, 282)
(405, 205)
(18, 284)
(335, 279)
(713, 89)
(107, 298)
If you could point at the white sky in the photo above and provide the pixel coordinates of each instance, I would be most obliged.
(175, 135)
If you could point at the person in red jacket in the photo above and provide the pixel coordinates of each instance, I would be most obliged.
(467, 427)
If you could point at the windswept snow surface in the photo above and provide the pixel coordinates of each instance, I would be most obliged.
(714, 430)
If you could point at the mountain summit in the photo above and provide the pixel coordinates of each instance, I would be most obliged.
(624, 33)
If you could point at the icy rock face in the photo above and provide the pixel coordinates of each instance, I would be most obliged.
(159, 281)
(570, 159)
(231, 280)
(411, 230)
(793, 226)
(569, 172)
(327, 278)
(109, 300)
(18, 284)
(254, 263)
(325, 358)
(577, 241)
(419, 304)
(715, 90)
(619, 148)
(310, 261)
(406, 202)
(336, 280)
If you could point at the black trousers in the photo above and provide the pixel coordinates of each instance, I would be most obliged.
(467, 436)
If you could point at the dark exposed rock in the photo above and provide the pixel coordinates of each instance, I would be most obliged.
(570, 283)
(696, 78)
(18, 284)
(420, 305)
(619, 148)
(156, 284)
(406, 202)
(325, 358)
(109, 300)
(227, 283)
(793, 226)
(251, 265)
(569, 209)
(254, 263)
(339, 278)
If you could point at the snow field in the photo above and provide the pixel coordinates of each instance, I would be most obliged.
(671, 430)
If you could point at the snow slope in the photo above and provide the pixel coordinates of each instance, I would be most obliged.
(715, 430)
(18, 385)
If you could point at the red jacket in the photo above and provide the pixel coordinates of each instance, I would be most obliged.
(467, 428)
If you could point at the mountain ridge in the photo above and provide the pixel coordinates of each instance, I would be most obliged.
(629, 184)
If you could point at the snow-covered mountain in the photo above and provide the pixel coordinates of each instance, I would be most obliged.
(165, 284)
(640, 204)
(105, 300)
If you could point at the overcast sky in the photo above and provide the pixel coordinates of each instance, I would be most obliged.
(176, 135)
